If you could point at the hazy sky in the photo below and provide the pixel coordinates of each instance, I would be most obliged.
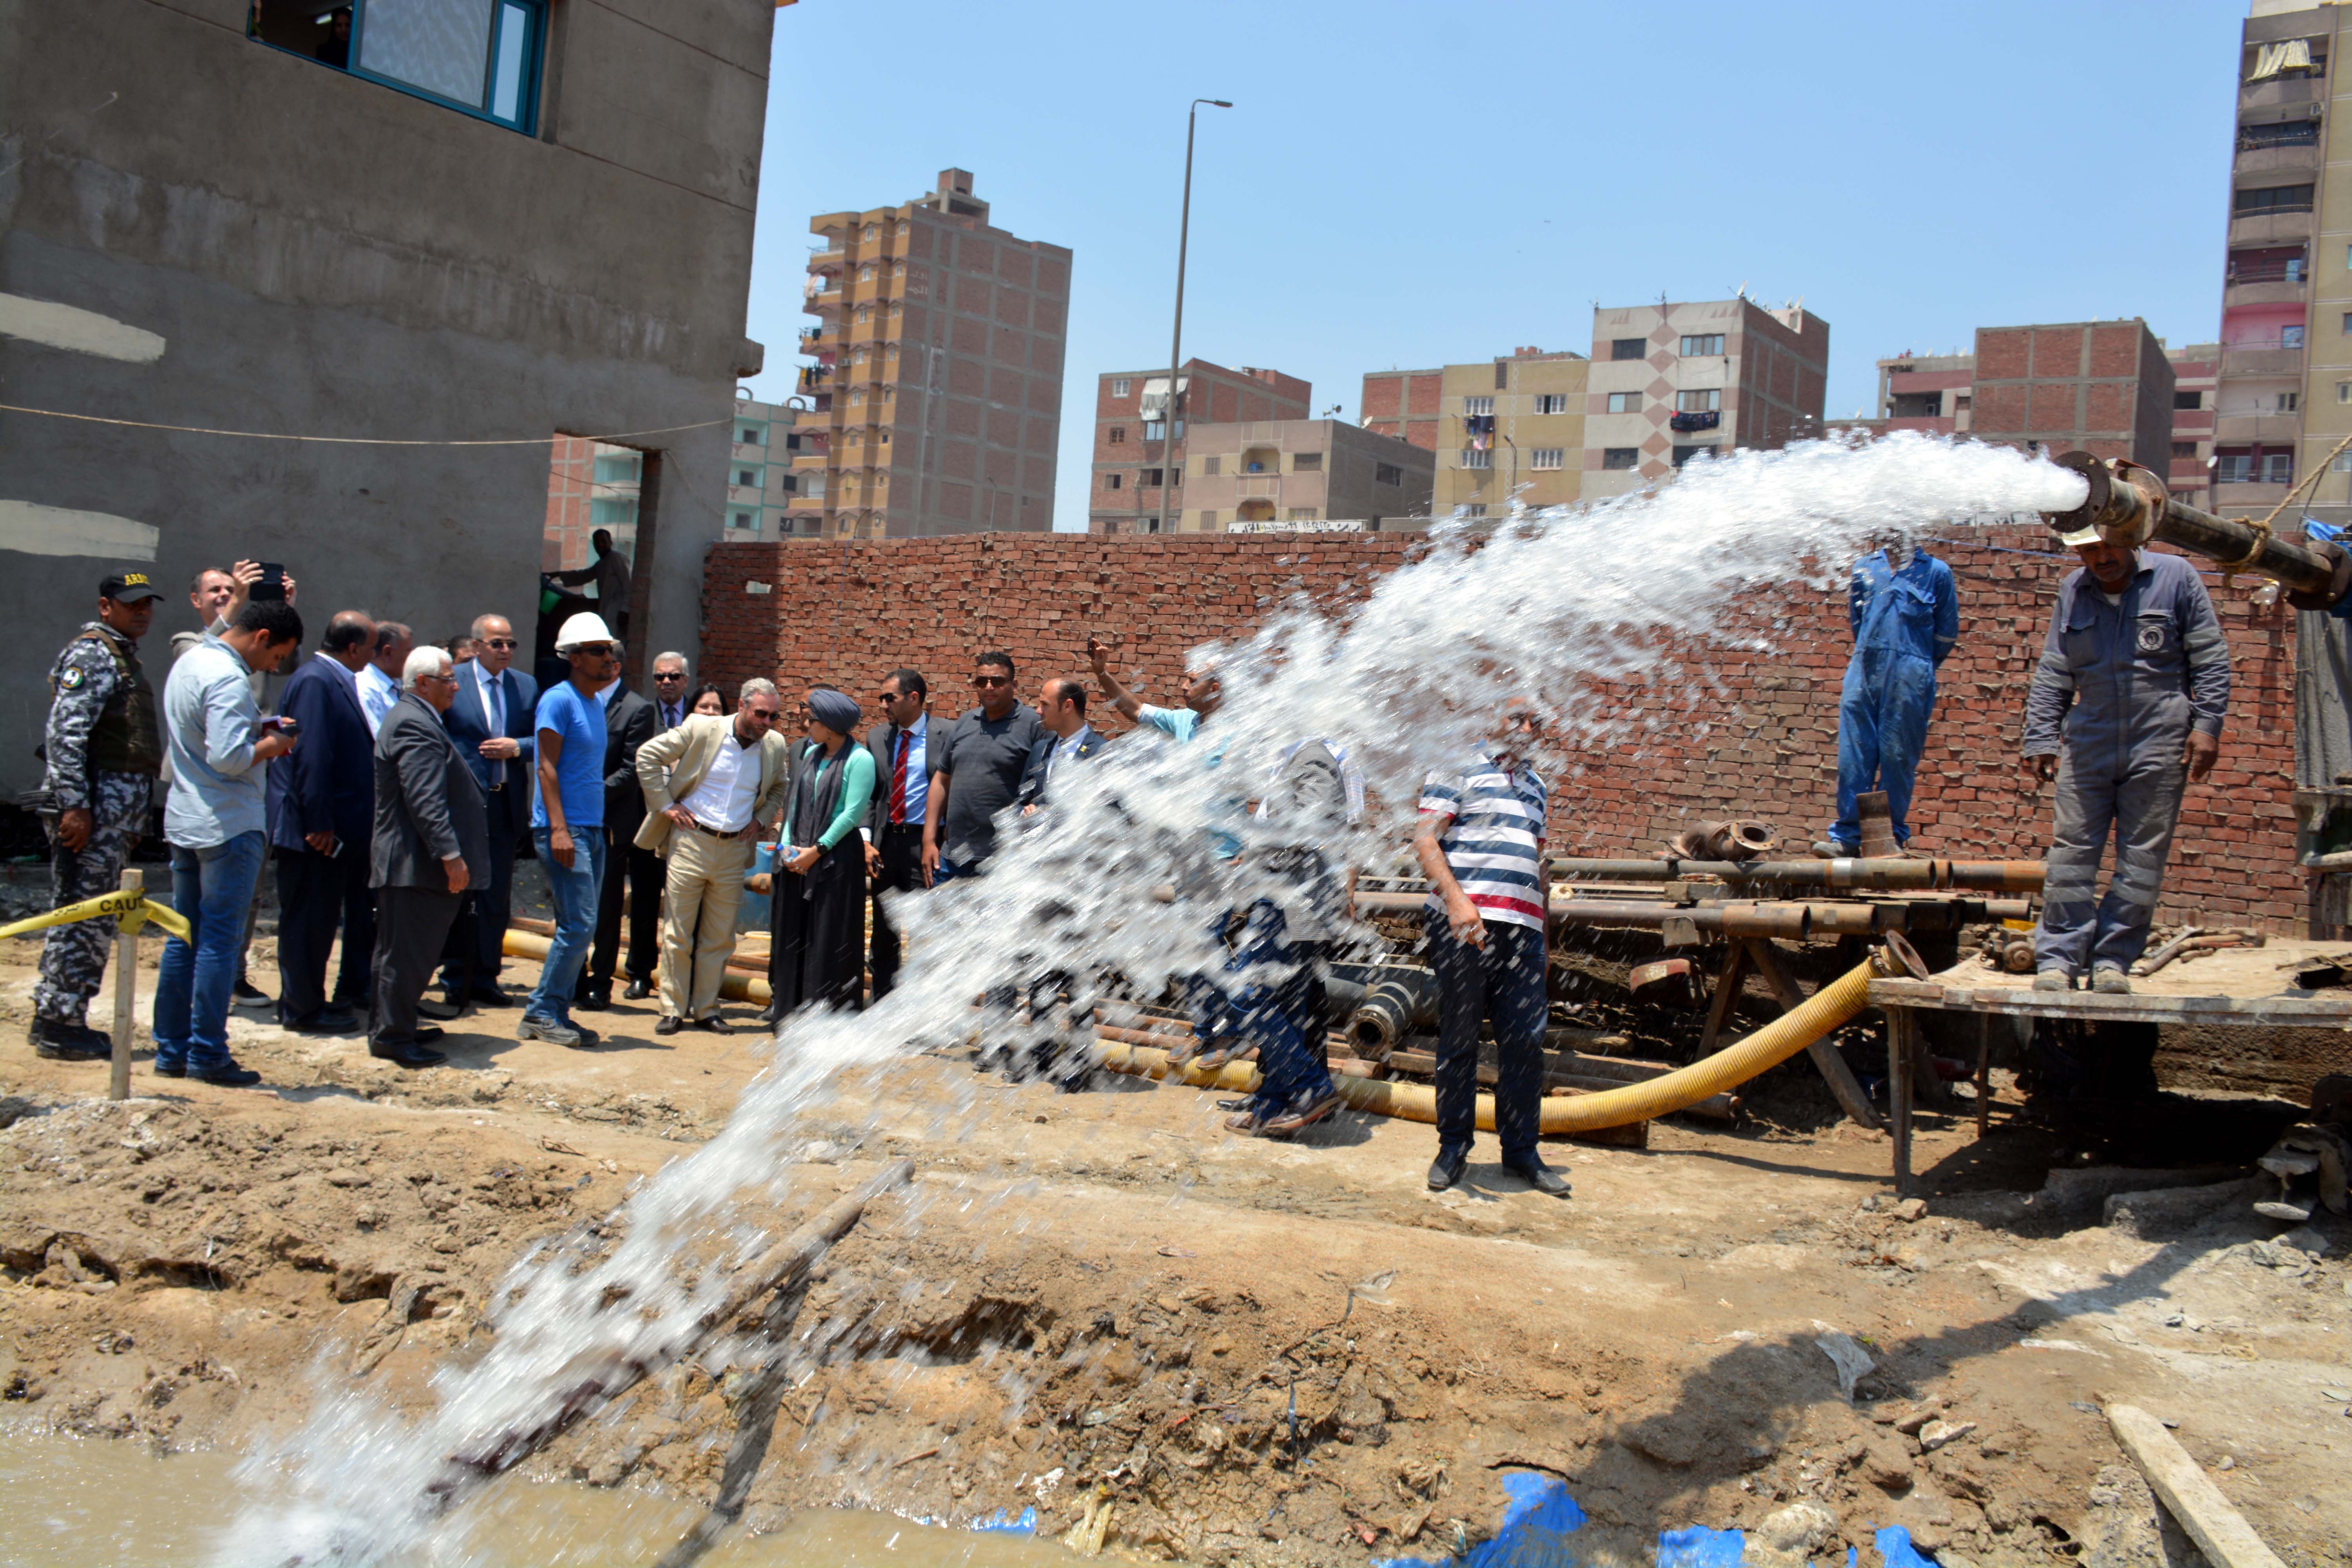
(1413, 184)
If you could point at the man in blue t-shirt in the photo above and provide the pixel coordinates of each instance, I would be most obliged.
(567, 820)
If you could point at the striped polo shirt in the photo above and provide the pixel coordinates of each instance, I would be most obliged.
(1493, 840)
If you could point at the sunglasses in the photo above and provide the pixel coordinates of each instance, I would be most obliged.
(992, 680)
(669, 675)
(500, 642)
(765, 715)
(594, 649)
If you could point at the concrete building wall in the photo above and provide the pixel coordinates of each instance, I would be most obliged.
(1403, 404)
(937, 388)
(1304, 471)
(2103, 387)
(283, 248)
(1536, 448)
(1655, 367)
(1124, 496)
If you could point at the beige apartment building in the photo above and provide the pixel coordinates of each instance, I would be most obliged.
(1510, 428)
(761, 483)
(1670, 383)
(937, 386)
(1262, 473)
(1137, 449)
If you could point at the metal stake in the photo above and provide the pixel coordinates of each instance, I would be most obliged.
(126, 992)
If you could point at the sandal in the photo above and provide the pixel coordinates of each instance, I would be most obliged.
(1214, 1058)
(1179, 1054)
(1247, 1123)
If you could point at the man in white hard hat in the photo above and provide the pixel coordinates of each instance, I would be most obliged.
(2126, 712)
(567, 821)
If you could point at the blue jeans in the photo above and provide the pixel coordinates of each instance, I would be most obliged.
(210, 888)
(574, 892)
(1279, 1012)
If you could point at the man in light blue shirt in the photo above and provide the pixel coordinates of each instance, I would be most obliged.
(567, 822)
(1202, 695)
(215, 819)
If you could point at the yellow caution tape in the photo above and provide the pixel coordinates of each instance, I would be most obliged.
(130, 910)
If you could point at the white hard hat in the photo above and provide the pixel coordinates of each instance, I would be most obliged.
(585, 626)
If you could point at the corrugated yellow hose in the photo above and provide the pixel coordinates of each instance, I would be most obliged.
(1776, 1042)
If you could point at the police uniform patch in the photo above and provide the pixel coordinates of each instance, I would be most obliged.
(72, 678)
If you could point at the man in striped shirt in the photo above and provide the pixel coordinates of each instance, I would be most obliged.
(1481, 846)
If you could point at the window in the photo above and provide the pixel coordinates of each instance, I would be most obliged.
(1472, 458)
(1474, 406)
(860, 357)
(2344, 392)
(1624, 402)
(865, 314)
(2233, 467)
(1306, 463)
(1548, 458)
(742, 519)
(1113, 482)
(791, 443)
(2191, 400)
(1476, 509)
(2184, 449)
(1917, 405)
(1619, 457)
(1117, 436)
(872, 231)
(856, 395)
(1119, 385)
(866, 273)
(2278, 467)
(1685, 454)
(1208, 520)
(480, 57)
(616, 469)
(751, 439)
(1551, 402)
(1627, 348)
(2287, 402)
(746, 476)
(2261, 201)
(1157, 429)
(1389, 474)
(1960, 402)
(1211, 465)
(1700, 402)
(1148, 478)
(1701, 344)
(1303, 514)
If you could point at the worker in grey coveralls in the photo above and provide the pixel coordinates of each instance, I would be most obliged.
(2138, 673)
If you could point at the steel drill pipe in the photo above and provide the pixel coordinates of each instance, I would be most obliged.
(1890, 873)
(2129, 506)
(1794, 922)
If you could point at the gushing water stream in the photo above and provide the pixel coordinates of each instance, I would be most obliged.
(1596, 613)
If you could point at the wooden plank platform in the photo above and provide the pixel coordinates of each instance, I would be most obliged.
(2289, 1009)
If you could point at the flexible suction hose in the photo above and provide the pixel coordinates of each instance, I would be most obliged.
(1826, 1009)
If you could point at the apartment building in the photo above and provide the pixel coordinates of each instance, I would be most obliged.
(1265, 473)
(1510, 429)
(936, 390)
(1926, 392)
(1403, 404)
(759, 482)
(2196, 379)
(1135, 451)
(1669, 383)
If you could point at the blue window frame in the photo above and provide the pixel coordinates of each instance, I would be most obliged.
(480, 58)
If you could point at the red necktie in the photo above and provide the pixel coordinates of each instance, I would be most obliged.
(898, 781)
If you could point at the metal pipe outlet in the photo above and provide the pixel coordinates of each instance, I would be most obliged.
(2129, 506)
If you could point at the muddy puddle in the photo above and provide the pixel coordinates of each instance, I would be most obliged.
(73, 1502)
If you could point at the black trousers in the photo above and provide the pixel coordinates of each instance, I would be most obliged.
(643, 872)
(902, 871)
(484, 925)
(412, 926)
(318, 895)
(1503, 985)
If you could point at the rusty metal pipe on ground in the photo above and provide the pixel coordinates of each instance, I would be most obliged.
(2129, 506)
(1792, 921)
(1899, 873)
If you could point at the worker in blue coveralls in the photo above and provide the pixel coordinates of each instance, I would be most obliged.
(1906, 616)
(2125, 711)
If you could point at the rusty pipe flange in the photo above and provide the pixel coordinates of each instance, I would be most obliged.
(1898, 960)
(2122, 503)
(1738, 839)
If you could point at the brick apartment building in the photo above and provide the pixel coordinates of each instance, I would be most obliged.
(1403, 404)
(1669, 383)
(938, 382)
(1133, 454)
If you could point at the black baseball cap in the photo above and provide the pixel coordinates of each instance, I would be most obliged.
(128, 588)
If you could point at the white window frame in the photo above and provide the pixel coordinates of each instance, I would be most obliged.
(1711, 400)
(1548, 458)
(1119, 385)
(1624, 402)
(1475, 406)
(1472, 458)
(1551, 402)
(1703, 340)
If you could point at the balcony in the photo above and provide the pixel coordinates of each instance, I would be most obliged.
(818, 342)
(2272, 429)
(744, 495)
(814, 378)
(2272, 289)
(2246, 497)
(2285, 157)
(2280, 91)
(2262, 358)
(2271, 227)
(745, 452)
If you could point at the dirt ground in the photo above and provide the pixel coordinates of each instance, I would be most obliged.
(1103, 1296)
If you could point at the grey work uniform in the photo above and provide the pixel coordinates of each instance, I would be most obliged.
(2127, 681)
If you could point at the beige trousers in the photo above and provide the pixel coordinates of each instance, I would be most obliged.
(705, 884)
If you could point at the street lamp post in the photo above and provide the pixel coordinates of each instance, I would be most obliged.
(1511, 487)
(1176, 337)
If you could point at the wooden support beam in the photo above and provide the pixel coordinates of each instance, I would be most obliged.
(1726, 997)
(2219, 1530)
(1902, 1030)
(1825, 1059)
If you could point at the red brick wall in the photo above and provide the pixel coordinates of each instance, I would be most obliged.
(1754, 734)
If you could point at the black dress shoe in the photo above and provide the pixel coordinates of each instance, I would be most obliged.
(1446, 1170)
(326, 1023)
(428, 1008)
(171, 1069)
(715, 1024)
(406, 1054)
(594, 1001)
(1539, 1176)
(491, 996)
(426, 1032)
(638, 990)
(228, 1074)
(667, 1025)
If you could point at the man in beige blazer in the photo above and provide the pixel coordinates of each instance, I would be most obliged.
(711, 785)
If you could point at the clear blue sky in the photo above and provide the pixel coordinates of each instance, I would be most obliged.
(1413, 184)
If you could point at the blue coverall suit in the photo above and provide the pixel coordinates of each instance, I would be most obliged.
(2127, 681)
(1904, 624)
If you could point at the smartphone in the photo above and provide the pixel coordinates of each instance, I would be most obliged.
(272, 583)
(289, 728)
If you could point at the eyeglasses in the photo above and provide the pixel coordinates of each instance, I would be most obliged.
(764, 715)
(500, 642)
(992, 680)
(594, 649)
(669, 675)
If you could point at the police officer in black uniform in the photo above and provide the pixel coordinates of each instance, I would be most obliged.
(105, 751)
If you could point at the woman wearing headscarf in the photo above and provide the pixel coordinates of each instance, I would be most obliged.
(818, 931)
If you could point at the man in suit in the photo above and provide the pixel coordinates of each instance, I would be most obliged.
(711, 786)
(1069, 738)
(670, 670)
(320, 813)
(894, 823)
(492, 724)
(629, 722)
(430, 833)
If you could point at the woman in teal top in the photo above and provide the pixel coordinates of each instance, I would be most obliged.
(817, 929)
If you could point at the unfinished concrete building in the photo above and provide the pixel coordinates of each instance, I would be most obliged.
(212, 215)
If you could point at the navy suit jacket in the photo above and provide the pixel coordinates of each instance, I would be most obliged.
(1032, 791)
(327, 783)
(506, 786)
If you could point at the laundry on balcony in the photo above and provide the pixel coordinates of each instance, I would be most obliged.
(1480, 429)
(1707, 419)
